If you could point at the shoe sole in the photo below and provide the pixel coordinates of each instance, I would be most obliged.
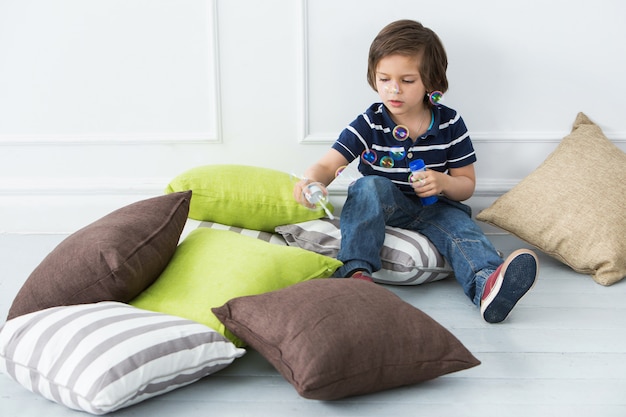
(512, 284)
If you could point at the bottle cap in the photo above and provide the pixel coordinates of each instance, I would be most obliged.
(417, 165)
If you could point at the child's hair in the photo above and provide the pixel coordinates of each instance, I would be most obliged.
(411, 38)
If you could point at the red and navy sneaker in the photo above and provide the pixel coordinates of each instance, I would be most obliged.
(508, 284)
(362, 275)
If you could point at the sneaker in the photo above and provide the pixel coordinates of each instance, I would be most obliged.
(508, 284)
(362, 276)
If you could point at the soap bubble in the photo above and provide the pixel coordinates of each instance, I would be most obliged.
(369, 156)
(397, 154)
(400, 133)
(387, 162)
(435, 97)
(391, 87)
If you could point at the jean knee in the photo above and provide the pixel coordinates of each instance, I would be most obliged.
(372, 185)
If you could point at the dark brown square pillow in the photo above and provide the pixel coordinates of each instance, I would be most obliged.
(113, 259)
(334, 338)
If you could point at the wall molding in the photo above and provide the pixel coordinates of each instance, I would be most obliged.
(214, 57)
(534, 137)
(38, 186)
(214, 136)
(91, 139)
(484, 188)
(64, 205)
(519, 137)
(303, 75)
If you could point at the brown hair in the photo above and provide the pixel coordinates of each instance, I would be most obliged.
(411, 38)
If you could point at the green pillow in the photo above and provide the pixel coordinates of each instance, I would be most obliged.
(213, 266)
(244, 196)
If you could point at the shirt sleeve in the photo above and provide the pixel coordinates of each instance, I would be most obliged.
(461, 152)
(354, 139)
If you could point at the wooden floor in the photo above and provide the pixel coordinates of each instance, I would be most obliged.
(562, 352)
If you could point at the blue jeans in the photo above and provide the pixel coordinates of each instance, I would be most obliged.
(374, 202)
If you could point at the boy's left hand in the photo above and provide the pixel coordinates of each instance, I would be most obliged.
(428, 183)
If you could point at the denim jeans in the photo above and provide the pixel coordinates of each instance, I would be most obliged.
(374, 202)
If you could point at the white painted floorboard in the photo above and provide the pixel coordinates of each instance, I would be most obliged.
(562, 352)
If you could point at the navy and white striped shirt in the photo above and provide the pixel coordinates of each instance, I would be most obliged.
(445, 145)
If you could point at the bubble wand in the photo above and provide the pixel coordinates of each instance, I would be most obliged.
(314, 194)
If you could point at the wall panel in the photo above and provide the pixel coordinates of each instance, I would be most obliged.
(108, 70)
(518, 77)
(102, 102)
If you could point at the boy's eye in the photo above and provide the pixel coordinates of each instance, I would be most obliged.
(386, 80)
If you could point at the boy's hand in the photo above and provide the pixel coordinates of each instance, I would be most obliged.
(428, 183)
(458, 185)
(298, 192)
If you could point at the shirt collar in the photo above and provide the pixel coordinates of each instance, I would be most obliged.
(435, 117)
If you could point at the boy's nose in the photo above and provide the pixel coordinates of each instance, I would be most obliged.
(392, 87)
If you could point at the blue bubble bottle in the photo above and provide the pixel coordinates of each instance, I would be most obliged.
(419, 166)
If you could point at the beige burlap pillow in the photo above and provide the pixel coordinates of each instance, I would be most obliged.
(573, 206)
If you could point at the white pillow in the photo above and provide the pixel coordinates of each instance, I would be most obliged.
(408, 258)
(105, 356)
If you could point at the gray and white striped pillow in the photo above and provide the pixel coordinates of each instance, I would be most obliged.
(105, 356)
(408, 258)
(192, 224)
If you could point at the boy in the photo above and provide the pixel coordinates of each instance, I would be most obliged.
(407, 67)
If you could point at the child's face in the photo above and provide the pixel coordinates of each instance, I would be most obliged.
(399, 84)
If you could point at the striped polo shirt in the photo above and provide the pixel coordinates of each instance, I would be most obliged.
(370, 137)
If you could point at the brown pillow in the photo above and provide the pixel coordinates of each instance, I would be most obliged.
(573, 206)
(113, 259)
(333, 338)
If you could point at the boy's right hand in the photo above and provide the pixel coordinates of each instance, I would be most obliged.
(298, 192)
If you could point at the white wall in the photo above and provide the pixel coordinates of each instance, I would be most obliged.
(102, 102)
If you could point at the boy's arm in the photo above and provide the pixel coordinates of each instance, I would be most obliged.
(322, 171)
(458, 185)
